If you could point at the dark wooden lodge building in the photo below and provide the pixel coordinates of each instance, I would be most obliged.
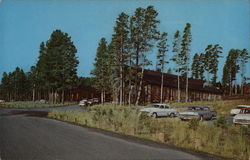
(151, 91)
(197, 91)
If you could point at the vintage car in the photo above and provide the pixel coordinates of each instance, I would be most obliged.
(89, 102)
(198, 112)
(243, 117)
(237, 109)
(157, 110)
(83, 102)
(93, 101)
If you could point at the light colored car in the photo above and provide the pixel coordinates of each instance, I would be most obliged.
(89, 102)
(198, 112)
(243, 117)
(157, 110)
(83, 102)
(238, 108)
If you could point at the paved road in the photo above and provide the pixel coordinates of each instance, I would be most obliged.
(25, 137)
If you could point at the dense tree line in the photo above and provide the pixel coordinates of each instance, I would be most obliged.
(235, 64)
(207, 63)
(54, 73)
(119, 64)
(15, 85)
(126, 56)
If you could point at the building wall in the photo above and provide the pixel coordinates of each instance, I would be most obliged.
(153, 94)
(247, 89)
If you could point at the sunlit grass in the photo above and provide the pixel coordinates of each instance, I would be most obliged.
(222, 107)
(220, 139)
(30, 104)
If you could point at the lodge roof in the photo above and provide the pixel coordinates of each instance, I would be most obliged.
(171, 80)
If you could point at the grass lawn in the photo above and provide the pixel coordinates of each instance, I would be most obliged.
(222, 107)
(219, 138)
(30, 104)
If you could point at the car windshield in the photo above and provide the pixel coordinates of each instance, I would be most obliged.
(193, 108)
(245, 111)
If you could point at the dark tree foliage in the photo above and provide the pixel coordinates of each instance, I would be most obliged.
(100, 68)
(161, 54)
(242, 61)
(196, 66)
(144, 34)
(14, 85)
(57, 65)
(177, 58)
(121, 50)
(185, 50)
(169, 71)
(185, 54)
(230, 69)
(211, 61)
(161, 58)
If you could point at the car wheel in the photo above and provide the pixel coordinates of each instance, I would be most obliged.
(201, 118)
(171, 115)
(154, 115)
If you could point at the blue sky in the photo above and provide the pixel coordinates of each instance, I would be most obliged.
(24, 24)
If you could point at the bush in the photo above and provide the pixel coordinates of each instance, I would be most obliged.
(193, 124)
(221, 122)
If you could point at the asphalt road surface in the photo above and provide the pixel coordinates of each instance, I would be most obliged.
(27, 135)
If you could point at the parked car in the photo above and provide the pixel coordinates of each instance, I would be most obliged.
(198, 112)
(83, 102)
(93, 101)
(238, 109)
(157, 110)
(89, 102)
(243, 117)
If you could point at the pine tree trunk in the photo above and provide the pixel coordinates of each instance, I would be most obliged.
(178, 92)
(33, 95)
(123, 91)
(236, 87)
(186, 88)
(102, 97)
(230, 89)
(140, 88)
(242, 88)
(121, 84)
(129, 93)
(161, 87)
(63, 96)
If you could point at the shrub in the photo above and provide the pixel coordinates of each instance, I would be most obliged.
(193, 124)
(221, 122)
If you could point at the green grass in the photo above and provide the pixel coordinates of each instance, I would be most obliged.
(220, 138)
(29, 104)
(222, 107)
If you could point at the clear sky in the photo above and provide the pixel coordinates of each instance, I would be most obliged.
(24, 24)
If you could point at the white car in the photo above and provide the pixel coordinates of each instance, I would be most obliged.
(83, 102)
(238, 108)
(157, 110)
(243, 117)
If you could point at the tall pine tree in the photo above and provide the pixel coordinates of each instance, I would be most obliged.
(161, 58)
(185, 54)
